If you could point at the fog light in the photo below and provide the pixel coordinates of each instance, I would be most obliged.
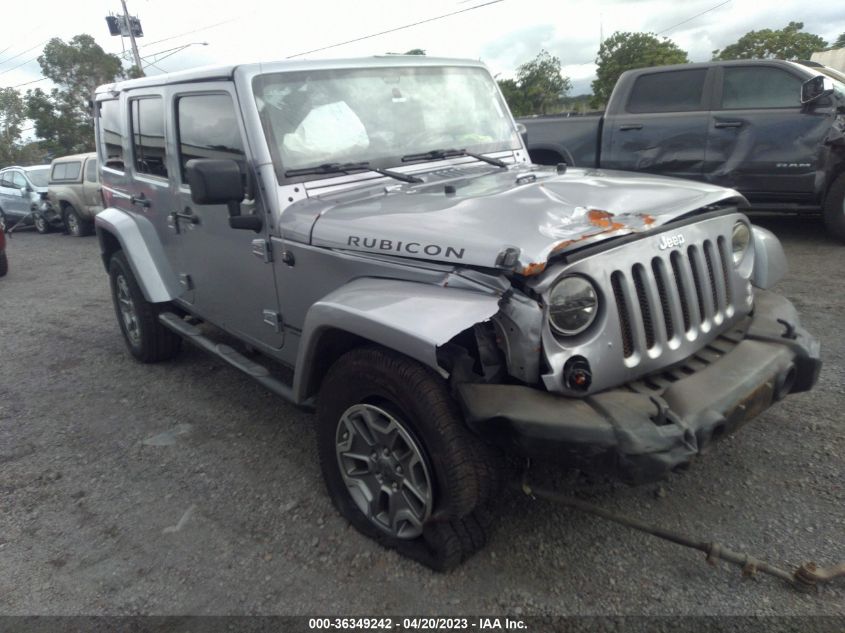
(576, 374)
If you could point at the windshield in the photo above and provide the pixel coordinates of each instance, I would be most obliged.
(379, 115)
(39, 176)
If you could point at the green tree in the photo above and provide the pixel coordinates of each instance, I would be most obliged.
(63, 117)
(514, 97)
(415, 51)
(538, 87)
(786, 43)
(840, 41)
(625, 51)
(12, 116)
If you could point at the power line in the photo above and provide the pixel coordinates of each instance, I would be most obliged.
(202, 28)
(26, 83)
(8, 70)
(8, 59)
(693, 17)
(393, 30)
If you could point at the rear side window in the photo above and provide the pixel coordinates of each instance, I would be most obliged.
(111, 135)
(66, 171)
(746, 88)
(208, 128)
(675, 91)
(148, 136)
(91, 170)
(6, 179)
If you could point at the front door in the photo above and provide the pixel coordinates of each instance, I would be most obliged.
(228, 271)
(661, 125)
(761, 140)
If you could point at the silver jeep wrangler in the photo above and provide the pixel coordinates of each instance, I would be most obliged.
(374, 230)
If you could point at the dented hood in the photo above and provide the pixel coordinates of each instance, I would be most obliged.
(473, 221)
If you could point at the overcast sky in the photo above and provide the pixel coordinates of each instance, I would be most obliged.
(503, 34)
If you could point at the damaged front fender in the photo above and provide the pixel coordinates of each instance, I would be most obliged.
(411, 318)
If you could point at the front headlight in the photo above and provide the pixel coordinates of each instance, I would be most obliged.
(740, 240)
(573, 305)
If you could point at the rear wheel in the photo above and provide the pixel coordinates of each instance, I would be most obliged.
(76, 226)
(147, 339)
(397, 459)
(834, 208)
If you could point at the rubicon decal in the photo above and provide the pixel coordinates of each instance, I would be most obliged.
(412, 248)
(671, 241)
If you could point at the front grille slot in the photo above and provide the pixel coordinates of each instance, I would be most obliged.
(624, 315)
(672, 298)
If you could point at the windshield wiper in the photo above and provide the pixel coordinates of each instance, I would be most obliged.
(436, 154)
(342, 168)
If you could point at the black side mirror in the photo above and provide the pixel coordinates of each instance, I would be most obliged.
(215, 181)
(816, 88)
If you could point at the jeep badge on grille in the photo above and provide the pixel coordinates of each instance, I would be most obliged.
(671, 241)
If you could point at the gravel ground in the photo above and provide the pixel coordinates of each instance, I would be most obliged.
(184, 488)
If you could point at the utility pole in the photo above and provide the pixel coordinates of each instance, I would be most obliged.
(132, 38)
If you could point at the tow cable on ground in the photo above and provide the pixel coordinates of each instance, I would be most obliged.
(807, 576)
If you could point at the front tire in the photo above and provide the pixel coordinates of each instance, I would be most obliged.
(398, 461)
(834, 208)
(76, 226)
(41, 225)
(147, 339)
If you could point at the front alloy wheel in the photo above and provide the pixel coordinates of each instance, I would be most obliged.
(41, 224)
(384, 470)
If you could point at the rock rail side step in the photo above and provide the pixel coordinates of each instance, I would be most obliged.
(231, 356)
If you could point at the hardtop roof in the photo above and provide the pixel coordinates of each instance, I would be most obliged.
(211, 73)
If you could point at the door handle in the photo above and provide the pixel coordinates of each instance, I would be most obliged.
(140, 201)
(721, 124)
(631, 126)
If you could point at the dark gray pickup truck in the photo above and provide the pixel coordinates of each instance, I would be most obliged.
(773, 130)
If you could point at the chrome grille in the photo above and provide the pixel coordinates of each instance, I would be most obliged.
(675, 297)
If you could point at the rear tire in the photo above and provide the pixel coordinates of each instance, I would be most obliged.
(76, 226)
(834, 208)
(379, 411)
(147, 339)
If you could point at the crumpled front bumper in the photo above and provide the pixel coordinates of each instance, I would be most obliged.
(639, 436)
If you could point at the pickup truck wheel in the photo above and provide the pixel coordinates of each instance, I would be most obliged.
(398, 461)
(147, 339)
(76, 226)
(834, 208)
(41, 225)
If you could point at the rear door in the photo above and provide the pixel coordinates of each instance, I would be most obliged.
(660, 125)
(229, 270)
(761, 140)
(20, 202)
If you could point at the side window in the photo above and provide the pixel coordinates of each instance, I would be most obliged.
(760, 87)
(91, 170)
(675, 91)
(6, 179)
(208, 128)
(111, 135)
(148, 136)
